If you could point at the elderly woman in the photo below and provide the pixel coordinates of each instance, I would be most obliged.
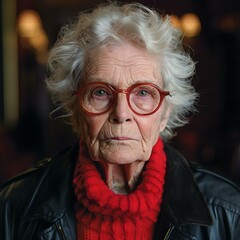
(121, 78)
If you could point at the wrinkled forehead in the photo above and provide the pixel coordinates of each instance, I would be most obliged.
(122, 60)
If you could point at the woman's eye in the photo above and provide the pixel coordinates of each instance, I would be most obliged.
(100, 92)
(143, 93)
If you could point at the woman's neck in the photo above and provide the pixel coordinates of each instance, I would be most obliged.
(121, 179)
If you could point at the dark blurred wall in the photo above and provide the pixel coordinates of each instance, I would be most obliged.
(1, 68)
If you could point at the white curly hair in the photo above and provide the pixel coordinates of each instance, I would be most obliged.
(114, 24)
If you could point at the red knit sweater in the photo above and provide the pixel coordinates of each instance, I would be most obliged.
(104, 215)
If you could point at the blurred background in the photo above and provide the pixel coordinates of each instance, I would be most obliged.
(30, 27)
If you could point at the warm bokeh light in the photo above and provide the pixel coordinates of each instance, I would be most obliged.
(29, 24)
(39, 42)
(30, 28)
(190, 24)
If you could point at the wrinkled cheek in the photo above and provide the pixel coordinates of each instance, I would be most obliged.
(85, 130)
(153, 134)
(157, 129)
(90, 131)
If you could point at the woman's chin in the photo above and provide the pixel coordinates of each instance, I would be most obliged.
(119, 153)
(121, 158)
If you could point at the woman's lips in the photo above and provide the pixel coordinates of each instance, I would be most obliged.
(121, 138)
(117, 139)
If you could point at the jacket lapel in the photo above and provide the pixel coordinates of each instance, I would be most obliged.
(182, 198)
(183, 202)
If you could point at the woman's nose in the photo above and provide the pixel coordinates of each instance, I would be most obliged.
(121, 111)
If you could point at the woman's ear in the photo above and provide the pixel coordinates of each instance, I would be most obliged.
(165, 116)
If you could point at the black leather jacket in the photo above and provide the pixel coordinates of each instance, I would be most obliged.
(197, 204)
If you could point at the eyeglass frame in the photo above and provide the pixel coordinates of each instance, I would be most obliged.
(127, 91)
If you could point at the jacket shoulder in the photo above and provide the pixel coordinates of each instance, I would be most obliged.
(39, 195)
(221, 196)
(17, 194)
(30, 172)
(212, 183)
(27, 181)
(218, 190)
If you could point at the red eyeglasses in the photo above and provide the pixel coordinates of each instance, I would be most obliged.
(99, 97)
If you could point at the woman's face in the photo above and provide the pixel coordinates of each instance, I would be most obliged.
(120, 136)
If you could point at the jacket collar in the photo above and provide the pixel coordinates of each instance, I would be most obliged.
(182, 199)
